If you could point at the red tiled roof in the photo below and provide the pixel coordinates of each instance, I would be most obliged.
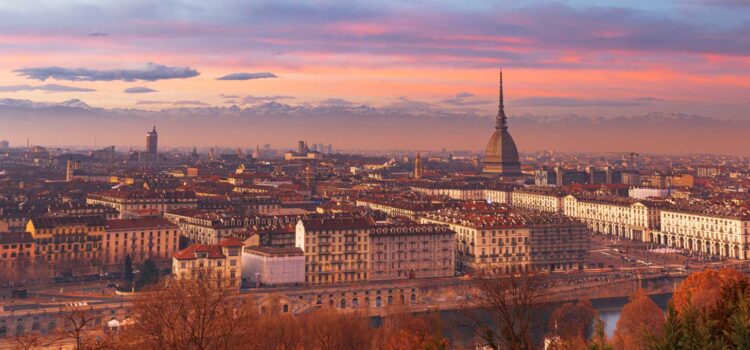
(51, 222)
(275, 250)
(231, 242)
(144, 223)
(337, 223)
(189, 253)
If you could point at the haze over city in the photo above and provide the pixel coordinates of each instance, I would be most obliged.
(414, 74)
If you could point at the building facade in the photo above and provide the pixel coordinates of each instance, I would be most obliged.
(507, 241)
(270, 266)
(68, 245)
(411, 251)
(220, 261)
(156, 239)
(144, 203)
(336, 249)
(539, 198)
(618, 216)
(708, 230)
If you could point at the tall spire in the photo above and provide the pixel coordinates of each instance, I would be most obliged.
(500, 121)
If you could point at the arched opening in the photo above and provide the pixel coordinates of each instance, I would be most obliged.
(343, 304)
(378, 302)
(355, 302)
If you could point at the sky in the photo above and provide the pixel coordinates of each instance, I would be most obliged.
(604, 58)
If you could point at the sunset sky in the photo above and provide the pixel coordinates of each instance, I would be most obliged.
(604, 58)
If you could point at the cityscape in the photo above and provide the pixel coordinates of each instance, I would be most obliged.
(356, 176)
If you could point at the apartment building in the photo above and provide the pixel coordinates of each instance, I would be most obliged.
(69, 245)
(707, 229)
(221, 261)
(618, 216)
(138, 203)
(336, 249)
(506, 240)
(548, 199)
(147, 238)
(17, 255)
(355, 249)
(411, 251)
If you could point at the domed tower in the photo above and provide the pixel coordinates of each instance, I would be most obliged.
(501, 154)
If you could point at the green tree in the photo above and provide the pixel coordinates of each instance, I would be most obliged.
(671, 335)
(128, 270)
(599, 337)
(149, 274)
(738, 331)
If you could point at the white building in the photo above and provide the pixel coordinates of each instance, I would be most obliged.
(271, 266)
(710, 230)
(617, 216)
(647, 192)
(539, 198)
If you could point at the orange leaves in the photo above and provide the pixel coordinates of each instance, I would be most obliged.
(639, 320)
(705, 290)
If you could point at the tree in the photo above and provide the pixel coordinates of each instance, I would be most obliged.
(738, 332)
(148, 274)
(328, 329)
(77, 325)
(599, 338)
(402, 330)
(194, 313)
(707, 290)
(128, 270)
(572, 322)
(513, 303)
(28, 341)
(639, 320)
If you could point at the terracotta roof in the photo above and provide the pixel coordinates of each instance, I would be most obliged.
(54, 221)
(275, 250)
(231, 242)
(190, 253)
(144, 223)
(348, 223)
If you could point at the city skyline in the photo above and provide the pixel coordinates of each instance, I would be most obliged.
(604, 59)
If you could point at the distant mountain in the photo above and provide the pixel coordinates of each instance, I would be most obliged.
(413, 126)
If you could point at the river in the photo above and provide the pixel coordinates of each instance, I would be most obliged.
(459, 325)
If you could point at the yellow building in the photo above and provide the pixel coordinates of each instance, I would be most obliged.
(68, 245)
(222, 261)
(336, 249)
(148, 238)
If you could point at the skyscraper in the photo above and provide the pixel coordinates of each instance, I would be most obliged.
(152, 141)
(501, 154)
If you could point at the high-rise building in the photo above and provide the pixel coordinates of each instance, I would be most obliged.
(152, 141)
(418, 167)
(501, 154)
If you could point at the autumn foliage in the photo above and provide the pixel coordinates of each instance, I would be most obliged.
(640, 320)
(707, 291)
